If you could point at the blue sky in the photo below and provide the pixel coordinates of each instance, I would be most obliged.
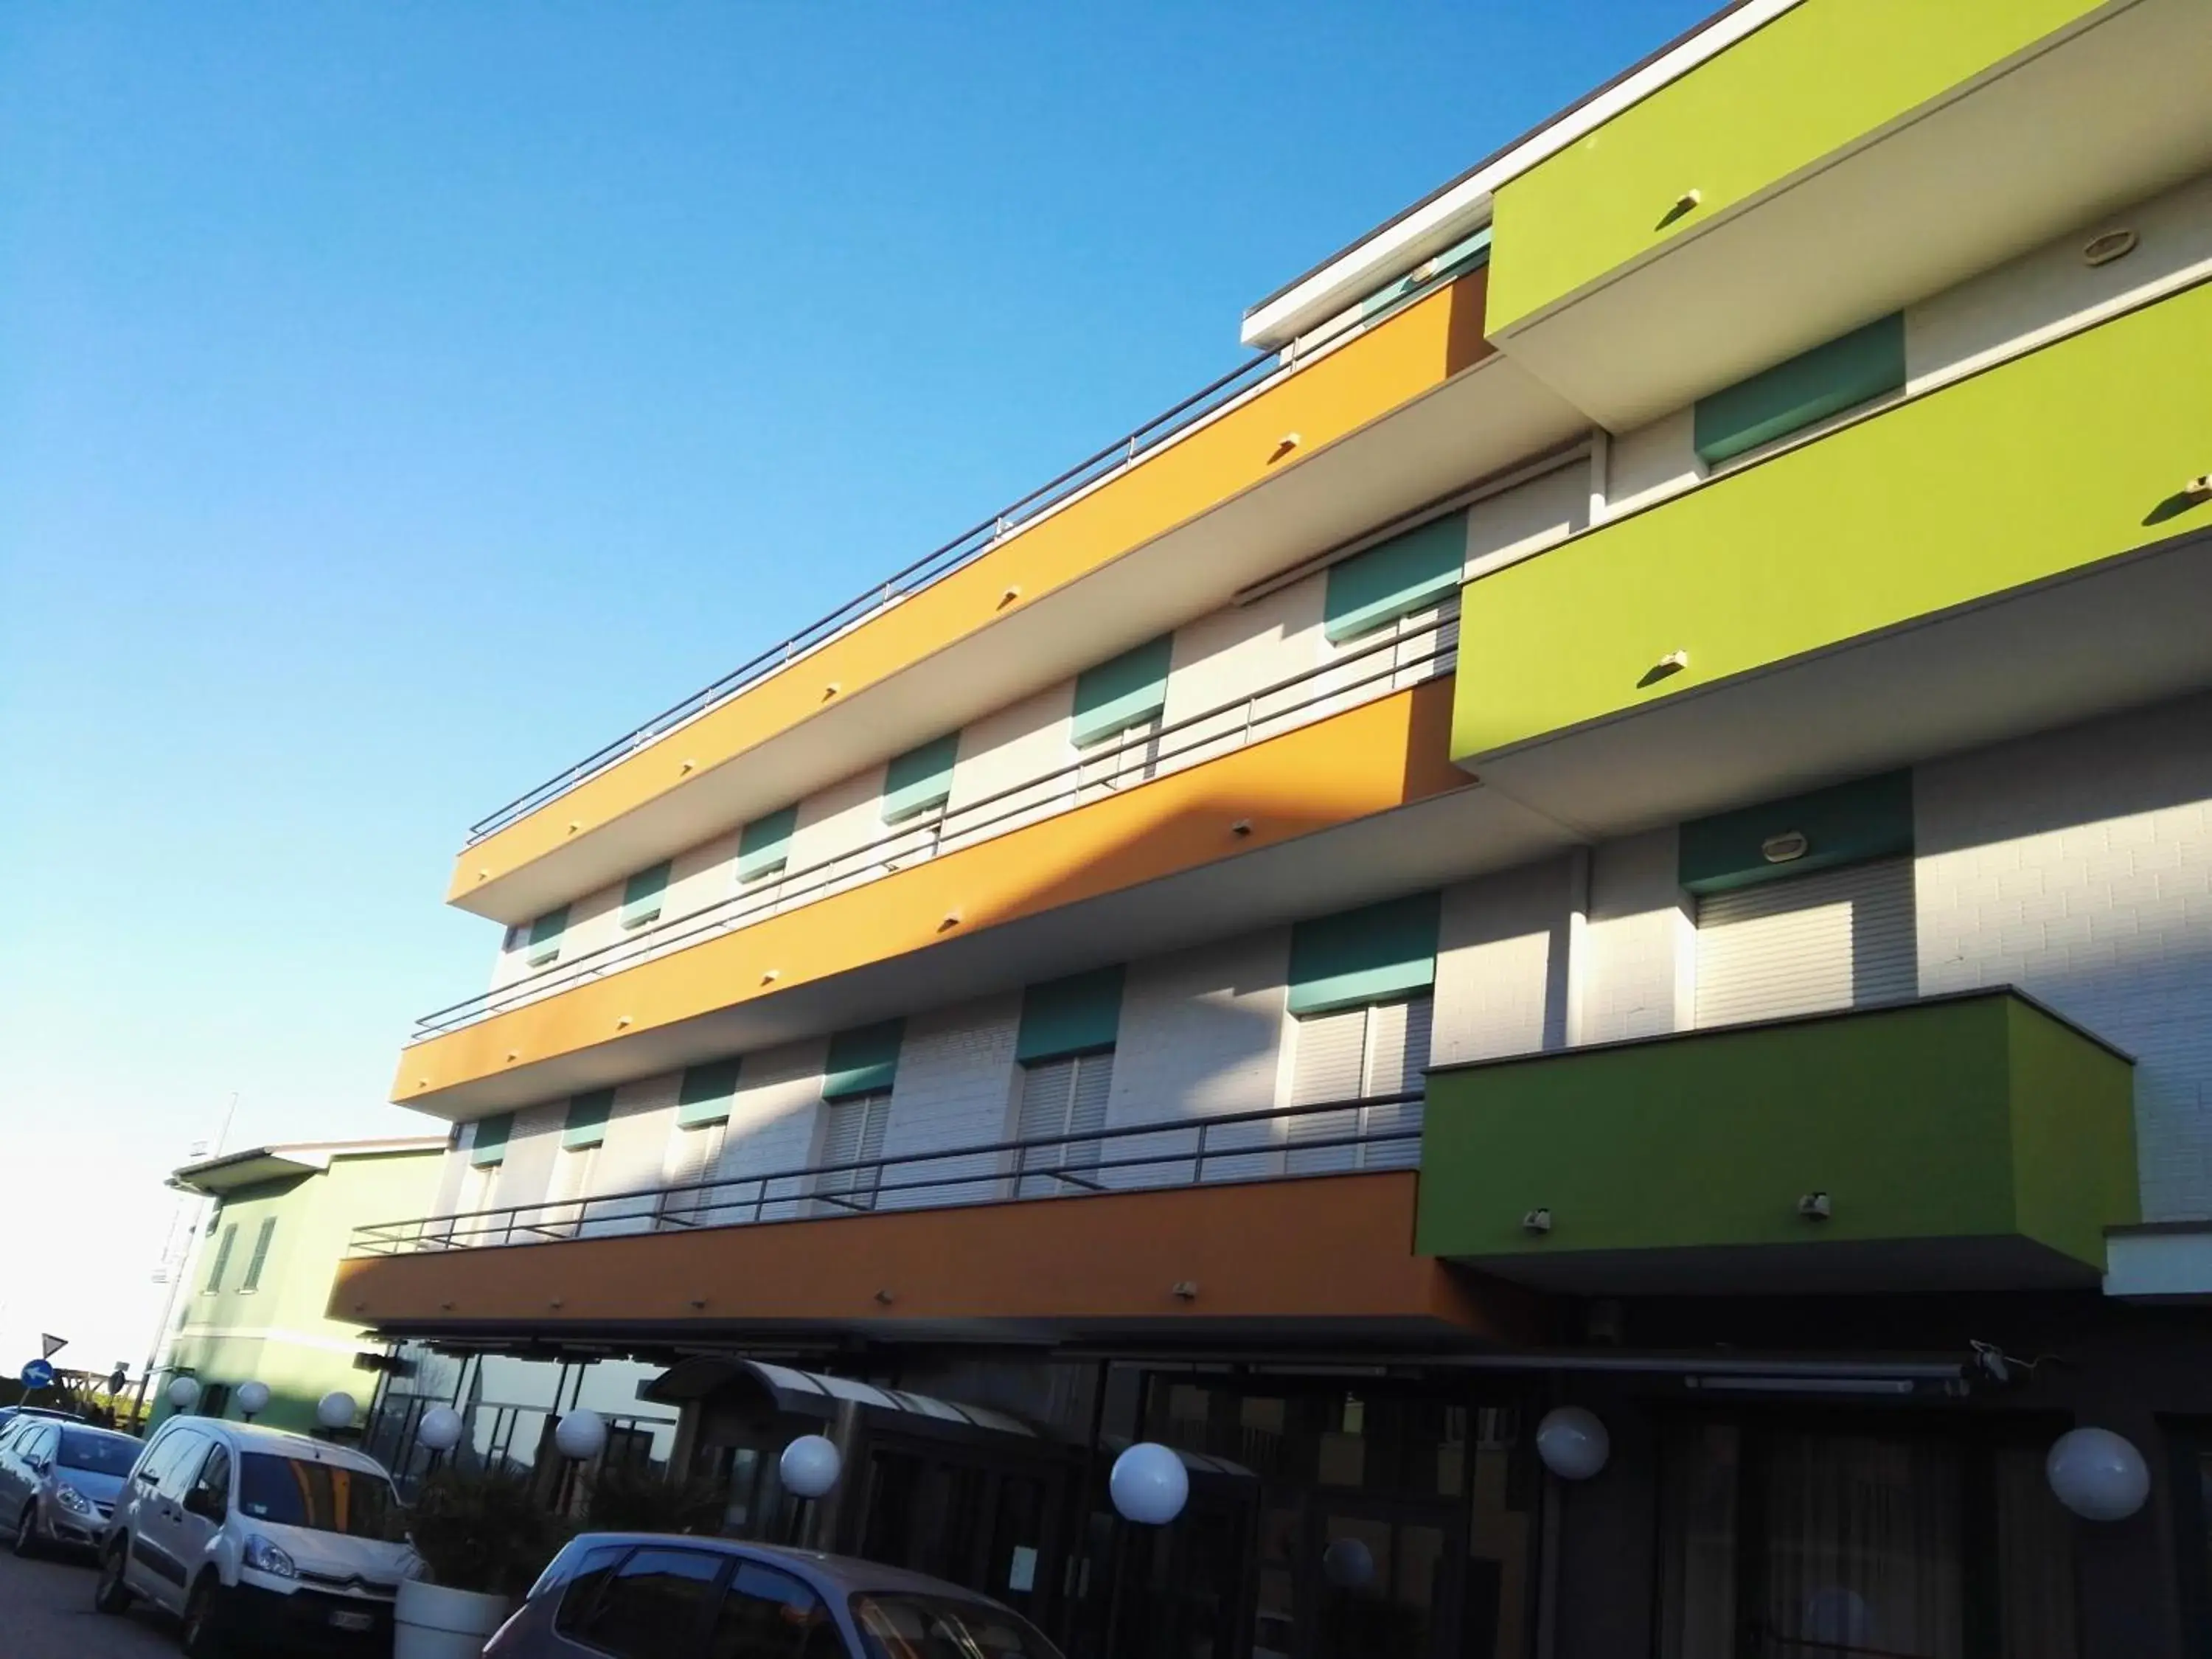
(398, 401)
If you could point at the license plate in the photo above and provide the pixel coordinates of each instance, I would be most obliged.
(353, 1620)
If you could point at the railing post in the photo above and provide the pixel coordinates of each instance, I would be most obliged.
(1198, 1166)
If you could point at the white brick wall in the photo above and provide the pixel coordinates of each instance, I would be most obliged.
(2077, 864)
(775, 1120)
(634, 1153)
(1640, 979)
(1501, 965)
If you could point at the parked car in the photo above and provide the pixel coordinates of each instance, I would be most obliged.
(256, 1537)
(59, 1481)
(10, 1413)
(643, 1595)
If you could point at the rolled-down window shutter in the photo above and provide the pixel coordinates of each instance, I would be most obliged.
(696, 1154)
(1837, 938)
(853, 1133)
(259, 1258)
(1065, 1096)
(223, 1249)
(1359, 1054)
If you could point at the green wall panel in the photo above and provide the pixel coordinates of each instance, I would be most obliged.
(1846, 372)
(862, 1061)
(1363, 956)
(2053, 461)
(1077, 1015)
(641, 896)
(764, 845)
(1122, 691)
(489, 1143)
(1970, 1117)
(1395, 577)
(707, 1092)
(1850, 824)
(919, 779)
(1817, 78)
(586, 1124)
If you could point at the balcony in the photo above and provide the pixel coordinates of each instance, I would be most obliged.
(2015, 551)
(1403, 658)
(1808, 179)
(1269, 1227)
(1275, 464)
(1977, 1142)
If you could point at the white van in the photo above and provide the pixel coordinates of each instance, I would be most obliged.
(257, 1537)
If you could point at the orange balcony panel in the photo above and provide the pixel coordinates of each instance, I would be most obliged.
(1400, 359)
(1383, 755)
(1333, 1254)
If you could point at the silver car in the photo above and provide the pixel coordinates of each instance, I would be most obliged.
(59, 1481)
(646, 1596)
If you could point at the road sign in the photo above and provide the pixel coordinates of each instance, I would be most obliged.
(51, 1346)
(37, 1374)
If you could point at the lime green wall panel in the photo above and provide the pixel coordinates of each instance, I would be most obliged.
(1811, 83)
(1926, 1121)
(2046, 465)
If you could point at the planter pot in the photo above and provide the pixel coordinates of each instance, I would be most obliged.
(431, 1622)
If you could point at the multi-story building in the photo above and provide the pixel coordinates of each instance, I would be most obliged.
(252, 1305)
(1622, 818)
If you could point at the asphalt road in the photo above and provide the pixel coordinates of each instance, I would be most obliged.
(45, 1613)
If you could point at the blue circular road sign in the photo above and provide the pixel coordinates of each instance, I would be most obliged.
(37, 1374)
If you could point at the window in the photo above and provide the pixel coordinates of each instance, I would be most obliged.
(852, 1133)
(920, 781)
(215, 1400)
(767, 1614)
(1394, 578)
(764, 845)
(592, 1573)
(651, 1607)
(223, 1249)
(908, 1625)
(212, 1488)
(1360, 1053)
(259, 1258)
(571, 1182)
(1854, 369)
(295, 1491)
(641, 896)
(1122, 760)
(696, 1151)
(1062, 1097)
(545, 937)
(1833, 939)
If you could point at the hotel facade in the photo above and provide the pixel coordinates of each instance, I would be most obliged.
(1619, 818)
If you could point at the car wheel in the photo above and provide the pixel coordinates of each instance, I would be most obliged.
(26, 1531)
(110, 1594)
(201, 1637)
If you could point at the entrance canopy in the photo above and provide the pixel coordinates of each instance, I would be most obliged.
(810, 1394)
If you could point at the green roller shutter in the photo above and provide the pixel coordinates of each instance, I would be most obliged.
(863, 1061)
(489, 1143)
(1394, 577)
(1363, 956)
(545, 937)
(259, 1258)
(587, 1122)
(642, 897)
(223, 1249)
(764, 845)
(1823, 382)
(1080, 1014)
(1121, 692)
(1852, 823)
(919, 779)
(707, 1093)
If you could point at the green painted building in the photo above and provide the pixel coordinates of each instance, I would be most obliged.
(254, 1307)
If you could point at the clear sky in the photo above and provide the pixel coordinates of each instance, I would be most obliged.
(399, 400)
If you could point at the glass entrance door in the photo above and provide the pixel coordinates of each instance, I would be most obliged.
(1344, 1577)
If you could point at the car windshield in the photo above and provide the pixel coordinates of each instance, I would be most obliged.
(897, 1625)
(98, 1454)
(296, 1492)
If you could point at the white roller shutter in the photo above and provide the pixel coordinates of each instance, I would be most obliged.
(1356, 1053)
(1062, 1097)
(853, 1133)
(696, 1151)
(1839, 939)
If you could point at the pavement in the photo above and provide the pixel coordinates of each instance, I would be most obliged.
(45, 1613)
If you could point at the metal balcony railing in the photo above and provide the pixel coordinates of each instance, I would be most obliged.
(1406, 656)
(1329, 1138)
(979, 538)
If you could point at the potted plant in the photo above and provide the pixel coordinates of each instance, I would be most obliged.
(640, 1498)
(483, 1537)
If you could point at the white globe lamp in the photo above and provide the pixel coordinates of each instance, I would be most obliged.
(185, 1394)
(1149, 1484)
(810, 1465)
(581, 1435)
(1573, 1443)
(441, 1429)
(252, 1400)
(1348, 1563)
(335, 1410)
(2098, 1474)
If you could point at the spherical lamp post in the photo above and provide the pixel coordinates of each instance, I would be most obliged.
(811, 1465)
(2098, 1474)
(581, 1436)
(1573, 1443)
(335, 1410)
(1348, 1565)
(183, 1395)
(439, 1432)
(252, 1400)
(1149, 1484)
